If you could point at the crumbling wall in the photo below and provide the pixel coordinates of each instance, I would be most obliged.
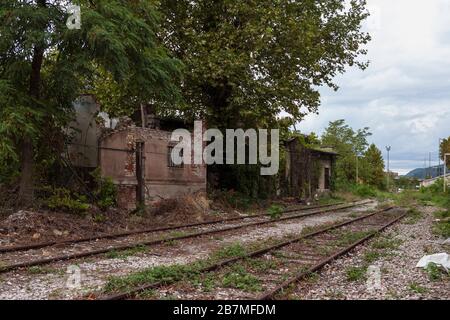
(118, 161)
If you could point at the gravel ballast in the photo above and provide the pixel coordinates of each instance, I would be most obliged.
(391, 276)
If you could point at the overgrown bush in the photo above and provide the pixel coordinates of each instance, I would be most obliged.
(62, 199)
(275, 211)
(105, 191)
(364, 191)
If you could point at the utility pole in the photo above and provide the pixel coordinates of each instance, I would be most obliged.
(388, 148)
(445, 171)
(439, 156)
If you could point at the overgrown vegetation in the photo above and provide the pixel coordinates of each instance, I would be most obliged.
(62, 199)
(105, 191)
(442, 227)
(415, 287)
(170, 274)
(436, 273)
(167, 46)
(431, 196)
(356, 273)
(113, 254)
(275, 211)
(103, 196)
(239, 278)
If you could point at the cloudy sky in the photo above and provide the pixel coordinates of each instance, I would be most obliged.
(404, 96)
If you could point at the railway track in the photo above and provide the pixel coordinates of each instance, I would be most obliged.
(31, 246)
(266, 273)
(40, 254)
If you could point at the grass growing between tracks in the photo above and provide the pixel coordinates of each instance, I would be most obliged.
(173, 273)
(382, 246)
(113, 254)
(239, 278)
(191, 272)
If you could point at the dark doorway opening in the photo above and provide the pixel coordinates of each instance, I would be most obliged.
(327, 178)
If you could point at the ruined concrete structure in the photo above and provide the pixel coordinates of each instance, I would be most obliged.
(163, 180)
(309, 170)
(113, 150)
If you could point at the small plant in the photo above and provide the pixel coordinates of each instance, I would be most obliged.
(356, 273)
(442, 227)
(113, 254)
(415, 287)
(41, 270)
(371, 256)
(239, 278)
(261, 265)
(231, 251)
(206, 282)
(164, 274)
(435, 273)
(275, 211)
(99, 218)
(413, 216)
(351, 237)
(385, 243)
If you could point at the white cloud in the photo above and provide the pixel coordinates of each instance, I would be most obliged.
(404, 95)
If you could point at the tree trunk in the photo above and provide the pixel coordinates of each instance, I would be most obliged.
(26, 190)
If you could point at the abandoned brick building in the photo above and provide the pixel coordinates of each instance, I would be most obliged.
(309, 170)
(112, 146)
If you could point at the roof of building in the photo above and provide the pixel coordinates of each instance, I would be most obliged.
(326, 150)
(319, 149)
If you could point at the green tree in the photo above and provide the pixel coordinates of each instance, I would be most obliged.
(445, 148)
(373, 167)
(43, 66)
(247, 61)
(350, 145)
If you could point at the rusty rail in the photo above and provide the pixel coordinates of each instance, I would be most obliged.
(269, 295)
(149, 230)
(215, 266)
(78, 255)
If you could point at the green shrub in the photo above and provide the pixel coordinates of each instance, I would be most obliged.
(435, 273)
(62, 199)
(239, 278)
(442, 227)
(364, 191)
(275, 211)
(105, 191)
(356, 273)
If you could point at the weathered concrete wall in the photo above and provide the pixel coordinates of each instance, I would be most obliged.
(324, 164)
(118, 161)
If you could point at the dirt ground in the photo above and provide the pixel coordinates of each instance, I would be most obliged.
(23, 227)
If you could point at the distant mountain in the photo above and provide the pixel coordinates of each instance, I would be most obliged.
(422, 173)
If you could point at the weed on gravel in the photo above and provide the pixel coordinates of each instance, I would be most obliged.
(239, 278)
(113, 254)
(356, 273)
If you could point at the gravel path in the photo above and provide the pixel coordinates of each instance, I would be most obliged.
(392, 276)
(66, 281)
